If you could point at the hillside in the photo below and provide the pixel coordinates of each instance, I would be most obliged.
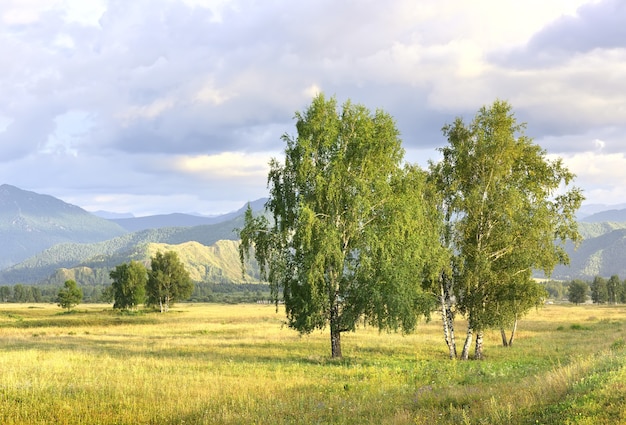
(30, 223)
(108, 254)
(46, 240)
(590, 230)
(602, 255)
(217, 263)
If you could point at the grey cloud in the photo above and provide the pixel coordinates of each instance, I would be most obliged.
(155, 54)
(158, 78)
(595, 26)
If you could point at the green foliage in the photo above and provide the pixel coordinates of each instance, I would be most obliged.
(231, 293)
(557, 290)
(599, 290)
(168, 281)
(577, 291)
(504, 211)
(129, 285)
(351, 229)
(622, 292)
(613, 289)
(70, 295)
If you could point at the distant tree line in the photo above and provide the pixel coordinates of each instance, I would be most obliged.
(23, 293)
(600, 290)
(207, 292)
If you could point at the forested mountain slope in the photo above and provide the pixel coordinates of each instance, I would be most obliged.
(108, 254)
(217, 263)
(601, 253)
(30, 223)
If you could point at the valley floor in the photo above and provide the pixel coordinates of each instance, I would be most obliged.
(232, 364)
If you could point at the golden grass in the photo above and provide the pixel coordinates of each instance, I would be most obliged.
(225, 364)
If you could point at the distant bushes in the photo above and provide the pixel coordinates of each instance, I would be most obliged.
(229, 293)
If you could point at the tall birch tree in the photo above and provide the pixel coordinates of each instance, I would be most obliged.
(350, 233)
(509, 211)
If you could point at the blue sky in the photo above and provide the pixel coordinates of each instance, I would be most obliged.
(159, 106)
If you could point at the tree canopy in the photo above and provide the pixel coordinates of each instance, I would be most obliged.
(70, 295)
(505, 203)
(577, 291)
(351, 231)
(168, 281)
(129, 285)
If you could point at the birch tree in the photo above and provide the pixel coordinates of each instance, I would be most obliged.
(349, 237)
(129, 285)
(510, 210)
(168, 281)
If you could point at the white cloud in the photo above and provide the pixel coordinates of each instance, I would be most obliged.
(149, 111)
(599, 144)
(601, 175)
(207, 92)
(227, 165)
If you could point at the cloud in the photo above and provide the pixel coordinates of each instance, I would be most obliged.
(600, 172)
(595, 26)
(188, 99)
(223, 165)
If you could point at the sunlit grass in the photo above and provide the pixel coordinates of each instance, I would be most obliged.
(217, 364)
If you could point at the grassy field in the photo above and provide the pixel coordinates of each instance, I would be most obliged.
(238, 364)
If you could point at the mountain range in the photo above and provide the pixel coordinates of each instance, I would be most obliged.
(30, 223)
(46, 241)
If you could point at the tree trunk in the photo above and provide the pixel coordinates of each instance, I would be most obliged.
(478, 353)
(335, 332)
(447, 318)
(467, 345)
(513, 332)
(505, 342)
(335, 344)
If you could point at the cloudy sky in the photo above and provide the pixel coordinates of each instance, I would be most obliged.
(159, 106)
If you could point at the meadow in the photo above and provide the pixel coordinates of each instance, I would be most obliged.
(239, 364)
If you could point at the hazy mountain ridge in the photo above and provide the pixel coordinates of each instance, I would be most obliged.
(46, 239)
(134, 224)
(71, 241)
(30, 223)
(108, 254)
(611, 215)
